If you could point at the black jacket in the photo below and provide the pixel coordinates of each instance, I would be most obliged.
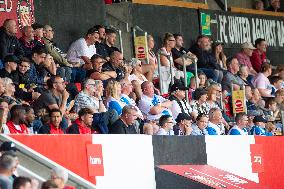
(205, 58)
(9, 45)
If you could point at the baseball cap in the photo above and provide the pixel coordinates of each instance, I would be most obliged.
(8, 146)
(178, 86)
(183, 116)
(259, 119)
(248, 45)
(12, 58)
(216, 43)
(37, 26)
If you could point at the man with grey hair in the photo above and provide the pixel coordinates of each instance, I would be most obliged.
(60, 177)
(90, 97)
(214, 126)
(125, 124)
(8, 164)
(58, 56)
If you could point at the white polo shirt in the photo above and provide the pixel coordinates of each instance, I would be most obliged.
(80, 48)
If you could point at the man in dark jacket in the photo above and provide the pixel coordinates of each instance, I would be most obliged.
(125, 124)
(206, 62)
(9, 43)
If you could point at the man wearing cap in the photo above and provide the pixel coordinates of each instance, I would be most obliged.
(10, 65)
(259, 126)
(180, 105)
(38, 34)
(244, 56)
(9, 43)
(183, 126)
(80, 53)
(166, 124)
(241, 124)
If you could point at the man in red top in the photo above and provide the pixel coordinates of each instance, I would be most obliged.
(16, 124)
(259, 54)
(83, 124)
(54, 126)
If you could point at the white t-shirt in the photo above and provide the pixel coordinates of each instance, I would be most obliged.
(146, 103)
(80, 48)
(133, 77)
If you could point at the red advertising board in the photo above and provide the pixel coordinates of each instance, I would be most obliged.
(95, 160)
(211, 176)
(20, 10)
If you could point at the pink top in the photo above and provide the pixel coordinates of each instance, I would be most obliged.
(244, 59)
(261, 82)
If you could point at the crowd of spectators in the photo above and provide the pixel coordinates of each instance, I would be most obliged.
(92, 89)
(10, 178)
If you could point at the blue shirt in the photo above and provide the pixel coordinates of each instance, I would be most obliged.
(237, 131)
(257, 130)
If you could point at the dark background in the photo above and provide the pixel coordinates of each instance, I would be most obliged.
(69, 18)
(158, 20)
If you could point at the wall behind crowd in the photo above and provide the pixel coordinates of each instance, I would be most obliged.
(158, 20)
(69, 18)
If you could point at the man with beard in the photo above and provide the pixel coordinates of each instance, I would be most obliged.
(16, 124)
(53, 127)
(206, 62)
(54, 98)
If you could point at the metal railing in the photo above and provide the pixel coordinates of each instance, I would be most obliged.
(30, 153)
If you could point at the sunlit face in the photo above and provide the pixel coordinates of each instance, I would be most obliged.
(111, 39)
(149, 90)
(202, 79)
(131, 117)
(243, 122)
(12, 27)
(202, 123)
(102, 33)
(49, 33)
(151, 43)
(98, 64)
(179, 41)
(262, 47)
(87, 119)
(171, 42)
(219, 48)
(56, 119)
(59, 84)
(205, 43)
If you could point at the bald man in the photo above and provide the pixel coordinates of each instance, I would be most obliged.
(9, 43)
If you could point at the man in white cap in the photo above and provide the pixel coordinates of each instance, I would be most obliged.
(244, 56)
